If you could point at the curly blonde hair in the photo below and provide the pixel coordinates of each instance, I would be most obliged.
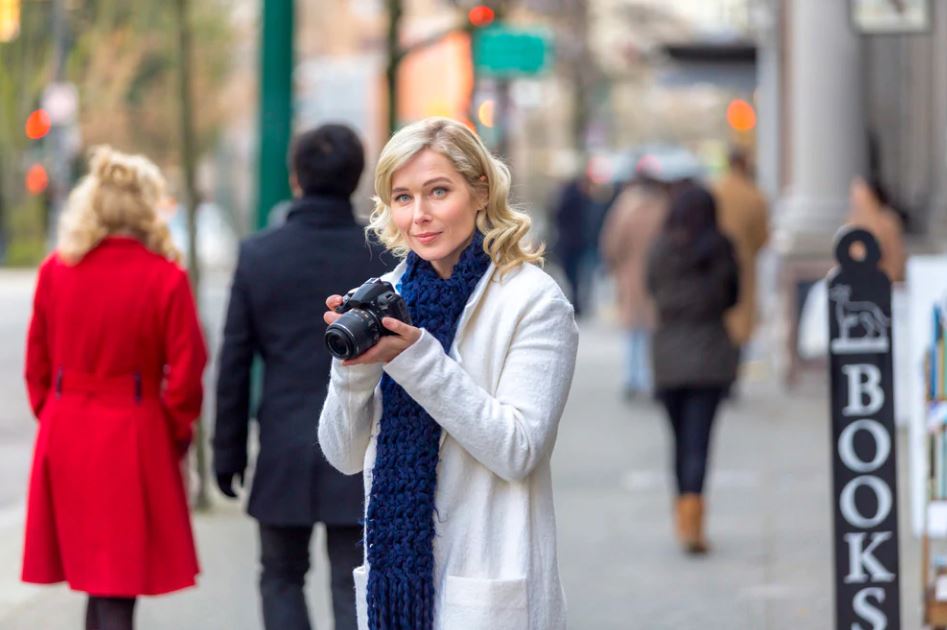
(120, 195)
(504, 227)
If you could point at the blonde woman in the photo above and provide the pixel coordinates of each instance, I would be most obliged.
(453, 419)
(113, 367)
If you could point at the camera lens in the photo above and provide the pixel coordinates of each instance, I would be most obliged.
(339, 343)
(352, 334)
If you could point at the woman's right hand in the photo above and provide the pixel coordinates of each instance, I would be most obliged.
(332, 303)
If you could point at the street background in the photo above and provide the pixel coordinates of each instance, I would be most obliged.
(567, 92)
(769, 511)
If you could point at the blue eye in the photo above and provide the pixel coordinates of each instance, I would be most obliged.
(402, 198)
(440, 192)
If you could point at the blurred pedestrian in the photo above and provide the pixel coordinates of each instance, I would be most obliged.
(632, 224)
(452, 420)
(276, 302)
(579, 214)
(869, 209)
(693, 277)
(743, 216)
(113, 367)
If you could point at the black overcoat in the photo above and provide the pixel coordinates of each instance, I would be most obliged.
(277, 301)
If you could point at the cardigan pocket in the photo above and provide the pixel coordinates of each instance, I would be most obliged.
(360, 576)
(479, 604)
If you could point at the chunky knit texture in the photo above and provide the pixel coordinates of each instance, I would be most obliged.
(399, 526)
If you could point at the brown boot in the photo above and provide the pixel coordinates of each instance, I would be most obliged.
(680, 520)
(691, 519)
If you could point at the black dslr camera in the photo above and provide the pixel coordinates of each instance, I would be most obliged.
(360, 327)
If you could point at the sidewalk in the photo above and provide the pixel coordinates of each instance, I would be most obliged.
(226, 597)
(769, 524)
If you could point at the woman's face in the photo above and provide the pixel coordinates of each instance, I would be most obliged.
(435, 209)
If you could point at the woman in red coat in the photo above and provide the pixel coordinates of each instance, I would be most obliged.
(113, 366)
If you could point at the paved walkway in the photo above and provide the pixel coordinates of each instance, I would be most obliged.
(769, 523)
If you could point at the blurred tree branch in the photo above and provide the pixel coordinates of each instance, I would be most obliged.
(124, 66)
(24, 69)
(186, 143)
(126, 70)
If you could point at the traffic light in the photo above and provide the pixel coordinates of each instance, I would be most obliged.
(481, 15)
(38, 124)
(9, 20)
(37, 127)
(37, 179)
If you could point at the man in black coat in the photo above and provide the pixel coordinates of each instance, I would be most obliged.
(277, 299)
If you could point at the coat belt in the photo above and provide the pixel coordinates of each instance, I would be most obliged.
(131, 384)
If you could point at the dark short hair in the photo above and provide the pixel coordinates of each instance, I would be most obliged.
(327, 160)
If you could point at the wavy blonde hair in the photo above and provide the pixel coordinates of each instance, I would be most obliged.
(504, 227)
(120, 195)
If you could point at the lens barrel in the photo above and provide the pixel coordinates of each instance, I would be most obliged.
(340, 343)
(352, 334)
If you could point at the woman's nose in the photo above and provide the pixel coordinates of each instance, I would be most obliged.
(420, 212)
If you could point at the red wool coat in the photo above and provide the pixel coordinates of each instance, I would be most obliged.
(113, 366)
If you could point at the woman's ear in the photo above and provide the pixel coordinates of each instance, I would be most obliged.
(481, 197)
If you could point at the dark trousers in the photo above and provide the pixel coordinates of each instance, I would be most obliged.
(572, 268)
(284, 556)
(691, 411)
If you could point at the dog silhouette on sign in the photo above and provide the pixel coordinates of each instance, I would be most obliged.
(850, 315)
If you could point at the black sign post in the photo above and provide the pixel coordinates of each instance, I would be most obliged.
(867, 595)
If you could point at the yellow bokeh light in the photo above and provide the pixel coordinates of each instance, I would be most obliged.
(9, 20)
(439, 108)
(485, 113)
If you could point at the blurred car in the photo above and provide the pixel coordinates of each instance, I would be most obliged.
(667, 163)
(663, 162)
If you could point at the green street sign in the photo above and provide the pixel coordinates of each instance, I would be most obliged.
(500, 51)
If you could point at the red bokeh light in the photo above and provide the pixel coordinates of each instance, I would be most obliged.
(37, 179)
(38, 124)
(481, 15)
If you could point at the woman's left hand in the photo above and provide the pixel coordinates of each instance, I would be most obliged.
(388, 346)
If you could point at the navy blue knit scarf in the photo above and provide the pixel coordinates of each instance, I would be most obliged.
(399, 526)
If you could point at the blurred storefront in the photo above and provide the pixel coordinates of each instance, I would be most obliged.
(848, 89)
(851, 99)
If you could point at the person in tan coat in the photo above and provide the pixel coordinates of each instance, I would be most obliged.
(630, 228)
(744, 219)
(869, 209)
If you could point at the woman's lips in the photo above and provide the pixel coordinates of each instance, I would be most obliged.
(427, 238)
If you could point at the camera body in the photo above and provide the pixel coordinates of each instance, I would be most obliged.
(362, 310)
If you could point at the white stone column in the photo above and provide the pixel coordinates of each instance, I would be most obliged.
(938, 222)
(827, 132)
(768, 44)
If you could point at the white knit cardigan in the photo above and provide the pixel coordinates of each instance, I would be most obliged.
(498, 396)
